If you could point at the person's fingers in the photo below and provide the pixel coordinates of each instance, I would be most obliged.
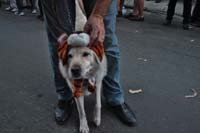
(87, 29)
(101, 36)
(94, 35)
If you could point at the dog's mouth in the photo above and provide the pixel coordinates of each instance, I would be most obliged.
(76, 72)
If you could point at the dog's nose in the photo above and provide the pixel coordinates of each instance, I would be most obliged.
(76, 71)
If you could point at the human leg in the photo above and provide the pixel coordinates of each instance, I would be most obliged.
(137, 11)
(135, 8)
(13, 4)
(196, 15)
(40, 8)
(112, 89)
(33, 6)
(187, 14)
(171, 9)
(57, 22)
(141, 7)
(20, 7)
(187, 11)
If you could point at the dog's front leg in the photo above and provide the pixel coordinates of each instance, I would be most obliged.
(97, 109)
(82, 116)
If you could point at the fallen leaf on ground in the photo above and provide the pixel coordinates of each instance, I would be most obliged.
(143, 59)
(193, 95)
(135, 91)
(192, 40)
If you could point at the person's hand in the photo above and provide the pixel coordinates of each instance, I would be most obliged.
(95, 27)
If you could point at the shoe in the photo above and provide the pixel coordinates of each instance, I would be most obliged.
(157, 1)
(40, 17)
(34, 11)
(167, 22)
(125, 114)
(14, 10)
(63, 111)
(186, 26)
(21, 14)
(196, 24)
(8, 8)
(135, 18)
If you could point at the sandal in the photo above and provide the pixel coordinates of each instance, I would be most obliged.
(136, 18)
(130, 15)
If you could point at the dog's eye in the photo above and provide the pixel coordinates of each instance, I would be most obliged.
(70, 56)
(86, 54)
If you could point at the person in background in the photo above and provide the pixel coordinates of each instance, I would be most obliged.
(195, 19)
(20, 11)
(120, 4)
(138, 9)
(40, 16)
(157, 1)
(101, 25)
(33, 6)
(186, 13)
(12, 6)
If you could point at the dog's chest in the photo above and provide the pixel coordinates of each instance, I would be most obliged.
(84, 87)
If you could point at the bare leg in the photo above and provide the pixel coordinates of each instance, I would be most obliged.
(141, 7)
(135, 8)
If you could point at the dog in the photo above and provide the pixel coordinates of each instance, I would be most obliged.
(83, 68)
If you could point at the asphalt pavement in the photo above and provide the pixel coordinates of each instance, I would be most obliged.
(162, 61)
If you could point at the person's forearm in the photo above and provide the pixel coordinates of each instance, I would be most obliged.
(101, 8)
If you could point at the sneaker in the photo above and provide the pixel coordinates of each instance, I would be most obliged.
(14, 10)
(19, 13)
(16, 13)
(34, 11)
(8, 8)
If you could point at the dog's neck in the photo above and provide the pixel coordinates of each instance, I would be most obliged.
(78, 86)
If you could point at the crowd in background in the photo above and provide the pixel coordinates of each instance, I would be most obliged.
(190, 17)
(17, 7)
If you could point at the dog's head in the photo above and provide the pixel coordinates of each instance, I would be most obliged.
(80, 61)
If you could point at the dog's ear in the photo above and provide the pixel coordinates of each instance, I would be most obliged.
(98, 49)
(63, 49)
(96, 59)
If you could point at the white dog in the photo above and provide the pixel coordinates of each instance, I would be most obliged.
(82, 67)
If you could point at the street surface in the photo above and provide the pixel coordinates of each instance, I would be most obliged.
(162, 61)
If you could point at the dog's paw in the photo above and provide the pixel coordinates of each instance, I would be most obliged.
(84, 126)
(97, 116)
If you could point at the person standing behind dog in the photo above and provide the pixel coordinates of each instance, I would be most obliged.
(186, 13)
(60, 18)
